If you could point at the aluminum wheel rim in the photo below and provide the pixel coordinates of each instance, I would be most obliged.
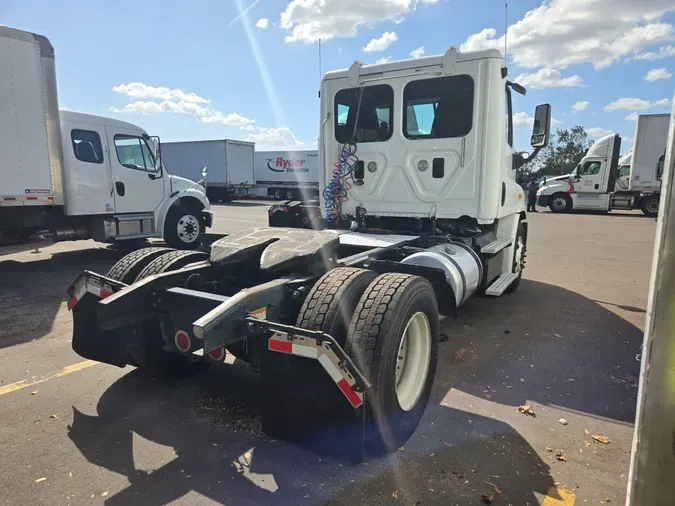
(559, 203)
(188, 228)
(412, 363)
(653, 207)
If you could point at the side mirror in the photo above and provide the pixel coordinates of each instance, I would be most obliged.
(205, 171)
(542, 126)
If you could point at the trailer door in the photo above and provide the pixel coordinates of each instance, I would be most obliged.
(239, 163)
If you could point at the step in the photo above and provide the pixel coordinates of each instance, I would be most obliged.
(496, 246)
(503, 282)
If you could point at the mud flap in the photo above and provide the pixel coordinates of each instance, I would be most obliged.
(313, 396)
(89, 340)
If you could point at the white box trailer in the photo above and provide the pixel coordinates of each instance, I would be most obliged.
(288, 174)
(229, 163)
(603, 181)
(71, 175)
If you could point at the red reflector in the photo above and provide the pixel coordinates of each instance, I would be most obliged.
(182, 340)
(285, 209)
(351, 395)
(217, 354)
(305, 220)
(105, 293)
(31, 198)
(9, 198)
(281, 346)
(71, 303)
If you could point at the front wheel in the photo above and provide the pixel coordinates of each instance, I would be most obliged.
(182, 227)
(560, 203)
(519, 254)
(650, 206)
(393, 340)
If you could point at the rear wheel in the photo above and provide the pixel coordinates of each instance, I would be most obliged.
(145, 345)
(290, 194)
(330, 304)
(393, 340)
(650, 206)
(129, 266)
(519, 254)
(278, 194)
(560, 203)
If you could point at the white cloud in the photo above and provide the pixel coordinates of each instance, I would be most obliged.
(663, 52)
(580, 106)
(377, 45)
(310, 20)
(632, 116)
(416, 53)
(274, 138)
(625, 140)
(384, 60)
(658, 74)
(636, 104)
(598, 132)
(548, 78)
(140, 90)
(522, 119)
(175, 101)
(559, 33)
(263, 23)
(629, 104)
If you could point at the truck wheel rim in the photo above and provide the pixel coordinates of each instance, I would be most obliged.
(188, 228)
(653, 207)
(412, 363)
(559, 203)
(520, 251)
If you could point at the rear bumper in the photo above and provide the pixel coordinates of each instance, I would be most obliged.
(542, 200)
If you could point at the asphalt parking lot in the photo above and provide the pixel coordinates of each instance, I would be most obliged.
(77, 432)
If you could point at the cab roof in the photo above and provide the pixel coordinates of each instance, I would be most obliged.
(93, 119)
(416, 63)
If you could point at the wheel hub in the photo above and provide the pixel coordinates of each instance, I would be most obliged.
(188, 228)
(653, 206)
(412, 362)
(559, 203)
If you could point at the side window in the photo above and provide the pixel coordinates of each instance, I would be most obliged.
(374, 107)
(133, 152)
(590, 169)
(624, 170)
(87, 146)
(438, 108)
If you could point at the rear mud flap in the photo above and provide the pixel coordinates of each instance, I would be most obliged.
(90, 341)
(302, 405)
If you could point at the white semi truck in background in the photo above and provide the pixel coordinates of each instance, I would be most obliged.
(229, 163)
(75, 176)
(603, 181)
(288, 175)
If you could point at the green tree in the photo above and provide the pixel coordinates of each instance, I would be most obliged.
(566, 149)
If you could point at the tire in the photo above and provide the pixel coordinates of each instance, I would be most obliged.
(560, 203)
(520, 239)
(129, 266)
(387, 308)
(331, 302)
(650, 206)
(278, 194)
(144, 339)
(183, 227)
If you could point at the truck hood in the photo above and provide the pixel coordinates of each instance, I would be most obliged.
(562, 185)
(180, 183)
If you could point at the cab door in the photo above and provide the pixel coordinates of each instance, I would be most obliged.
(138, 181)
(588, 185)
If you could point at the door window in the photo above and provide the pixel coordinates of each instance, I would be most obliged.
(374, 107)
(438, 108)
(624, 170)
(87, 146)
(134, 152)
(590, 169)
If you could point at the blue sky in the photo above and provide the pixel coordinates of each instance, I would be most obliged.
(202, 70)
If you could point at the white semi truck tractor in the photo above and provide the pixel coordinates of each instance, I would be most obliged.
(339, 313)
(71, 175)
(603, 181)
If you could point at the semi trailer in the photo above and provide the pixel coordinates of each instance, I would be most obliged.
(340, 315)
(70, 175)
(603, 181)
(229, 163)
(288, 175)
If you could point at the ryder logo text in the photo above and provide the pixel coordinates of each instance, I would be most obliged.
(280, 164)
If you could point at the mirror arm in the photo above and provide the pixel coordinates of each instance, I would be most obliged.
(519, 161)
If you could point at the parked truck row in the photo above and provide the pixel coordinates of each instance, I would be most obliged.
(70, 175)
(603, 181)
(236, 169)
